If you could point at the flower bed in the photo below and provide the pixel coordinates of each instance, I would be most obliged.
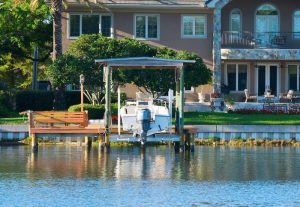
(266, 111)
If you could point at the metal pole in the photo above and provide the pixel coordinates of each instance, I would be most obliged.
(35, 68)
(81, 80)
(81, 97)
(119, 111)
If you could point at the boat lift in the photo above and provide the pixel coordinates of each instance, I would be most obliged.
(146, 63)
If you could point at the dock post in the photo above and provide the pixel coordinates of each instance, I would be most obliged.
(101, 144)
(88, 142)
(34, 143)
(177, 96)
(181, 108)
(179, 112)
(107, 116)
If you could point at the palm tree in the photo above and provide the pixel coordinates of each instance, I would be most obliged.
(56, 8)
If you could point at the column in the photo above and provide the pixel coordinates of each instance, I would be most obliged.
(217, 41)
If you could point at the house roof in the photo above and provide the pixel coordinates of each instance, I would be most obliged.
(147, 3)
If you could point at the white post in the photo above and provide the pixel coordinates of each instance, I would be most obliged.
(170, 96)
(119, 111)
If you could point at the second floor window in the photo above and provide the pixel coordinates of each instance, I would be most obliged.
(146, 26)
(194, 26)
(89, 24)
(235, 21)
(297, 24)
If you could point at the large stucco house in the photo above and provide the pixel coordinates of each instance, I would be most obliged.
(253, 44)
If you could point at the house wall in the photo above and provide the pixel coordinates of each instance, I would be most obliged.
(170, 30)
(286, 10)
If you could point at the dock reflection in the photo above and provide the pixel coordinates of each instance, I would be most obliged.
(206, 164)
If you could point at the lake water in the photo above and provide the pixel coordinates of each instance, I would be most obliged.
(127, 176)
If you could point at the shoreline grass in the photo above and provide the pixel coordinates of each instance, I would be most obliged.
(210, 118)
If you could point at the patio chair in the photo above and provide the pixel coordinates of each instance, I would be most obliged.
(288, 98)
(248, 97)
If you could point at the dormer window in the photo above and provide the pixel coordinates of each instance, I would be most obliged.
(235, 20)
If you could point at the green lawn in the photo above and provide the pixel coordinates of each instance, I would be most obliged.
(194, 118)
(13, 120)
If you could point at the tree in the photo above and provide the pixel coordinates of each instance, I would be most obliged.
(87, 48)
(22, 29)
(56, 9)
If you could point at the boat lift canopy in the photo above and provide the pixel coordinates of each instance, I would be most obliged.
(146, 63)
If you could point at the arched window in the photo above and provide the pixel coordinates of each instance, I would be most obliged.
(235, 20)
(297, 24)
(267, 23)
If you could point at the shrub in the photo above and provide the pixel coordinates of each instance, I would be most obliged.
(72, 98)
(4, 105)
(94, 111)
(34, 100)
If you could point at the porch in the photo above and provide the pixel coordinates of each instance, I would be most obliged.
(260, 77)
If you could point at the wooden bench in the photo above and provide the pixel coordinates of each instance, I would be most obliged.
(60, 122)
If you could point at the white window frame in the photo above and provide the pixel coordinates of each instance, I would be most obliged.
(237, 75)
(183, 36)
(294, 24)
(287, 75)
(267, 78)
(146, 26)
(80, 23)
(230, 20)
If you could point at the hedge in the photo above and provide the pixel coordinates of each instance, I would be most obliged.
(43, 100)
(34, 100)
(94, 111)
(4, 109)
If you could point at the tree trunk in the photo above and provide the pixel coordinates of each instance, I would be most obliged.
(56, 6)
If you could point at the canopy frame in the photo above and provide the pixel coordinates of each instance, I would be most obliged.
(146, 63)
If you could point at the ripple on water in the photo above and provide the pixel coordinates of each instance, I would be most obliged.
(71, 176)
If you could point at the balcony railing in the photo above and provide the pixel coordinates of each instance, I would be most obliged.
(250, 40)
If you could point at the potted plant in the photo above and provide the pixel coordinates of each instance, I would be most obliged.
(201, 96)
(216, 102)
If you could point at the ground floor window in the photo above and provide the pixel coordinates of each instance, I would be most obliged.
(293, 77)
(237, 76)
(89, 24)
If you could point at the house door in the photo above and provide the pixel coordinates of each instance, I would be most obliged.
(267, 79)
(267, 24)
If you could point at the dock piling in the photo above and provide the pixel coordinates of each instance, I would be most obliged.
(34, 143)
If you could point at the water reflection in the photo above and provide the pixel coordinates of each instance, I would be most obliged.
(206, 164)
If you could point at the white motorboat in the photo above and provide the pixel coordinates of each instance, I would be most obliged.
(143, 118)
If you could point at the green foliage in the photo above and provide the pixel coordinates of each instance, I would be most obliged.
(66, 70)
(22, 29)
(15, 72)
(4, 111)
(34, 100)
(94, 111)
(87, 48)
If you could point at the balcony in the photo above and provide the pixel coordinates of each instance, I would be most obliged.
(260, 46)
(248, 40)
